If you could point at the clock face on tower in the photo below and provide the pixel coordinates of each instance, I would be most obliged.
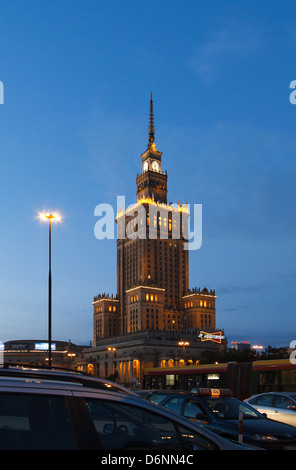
(145, 166)
(155, 166)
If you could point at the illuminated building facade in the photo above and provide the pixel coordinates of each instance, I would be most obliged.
(152, 264)
(144, 323)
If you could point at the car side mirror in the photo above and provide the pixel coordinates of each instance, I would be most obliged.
(201, 417)
(292, 407)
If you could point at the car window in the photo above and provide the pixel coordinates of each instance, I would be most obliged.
(121, 426)
(35, 422)
(128, 427)
(229, 408)
(253, 401)
(157, 397)
(174, 404)
(195, 441)
(192, 408)
(283, 402)
(265, 400)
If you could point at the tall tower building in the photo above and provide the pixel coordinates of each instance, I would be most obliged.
(152, 264)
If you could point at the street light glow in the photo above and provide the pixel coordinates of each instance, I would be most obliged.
(54, 216)
(183, 343)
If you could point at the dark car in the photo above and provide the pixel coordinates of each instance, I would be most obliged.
(50, 410)
(218, 411)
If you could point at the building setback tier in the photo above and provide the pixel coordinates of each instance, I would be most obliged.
(125, 357)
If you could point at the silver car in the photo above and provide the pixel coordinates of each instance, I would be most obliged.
(279, 406)
(51, 411)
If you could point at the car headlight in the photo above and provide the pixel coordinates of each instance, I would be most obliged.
(258, 437)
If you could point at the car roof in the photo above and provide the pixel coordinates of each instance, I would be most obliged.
(58, 377)
(284, 394)
(198, 392)
(168, 392)
(288, 394)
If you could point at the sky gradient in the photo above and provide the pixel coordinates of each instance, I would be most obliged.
(77, 79)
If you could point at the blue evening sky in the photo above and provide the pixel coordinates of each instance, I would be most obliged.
(77, 78)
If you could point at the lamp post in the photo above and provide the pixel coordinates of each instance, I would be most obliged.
(257, 347)
(49, 218)
(184, 344)
(112, 358)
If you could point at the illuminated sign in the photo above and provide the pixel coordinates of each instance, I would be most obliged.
(213, 376)
(44, 346)
(214, 392)
(18, 345)
(215, 337)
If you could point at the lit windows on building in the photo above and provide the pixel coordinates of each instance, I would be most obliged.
(152, 266)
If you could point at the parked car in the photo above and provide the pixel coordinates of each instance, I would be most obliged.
(280, 406)
(81, 378)
(142, 393)
(157, 396)
(218, 411)
(48, 410)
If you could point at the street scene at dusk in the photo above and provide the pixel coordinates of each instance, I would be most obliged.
(147, 239)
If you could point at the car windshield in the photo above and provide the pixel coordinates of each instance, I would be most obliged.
(157, 397)
(229, 408)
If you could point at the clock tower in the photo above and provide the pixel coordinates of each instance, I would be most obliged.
(153, 308)
(152, 182)
(152, 265)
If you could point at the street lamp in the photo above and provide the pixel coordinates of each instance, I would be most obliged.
(183, 344)
(112, 357)
(48, 217)
(257, 347)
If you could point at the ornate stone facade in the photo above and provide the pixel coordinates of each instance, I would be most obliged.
(153, 298)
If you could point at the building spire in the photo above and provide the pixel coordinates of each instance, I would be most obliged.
(151, 129)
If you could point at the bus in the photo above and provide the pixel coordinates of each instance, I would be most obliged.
(243, 378)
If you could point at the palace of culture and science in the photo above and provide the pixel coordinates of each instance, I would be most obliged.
(154, 313)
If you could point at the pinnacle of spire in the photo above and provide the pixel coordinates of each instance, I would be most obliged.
(151, 129)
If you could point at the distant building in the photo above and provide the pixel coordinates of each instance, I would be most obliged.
(240, 345)
(35, 353)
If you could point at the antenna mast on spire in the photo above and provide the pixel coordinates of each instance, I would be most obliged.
(151, 129)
